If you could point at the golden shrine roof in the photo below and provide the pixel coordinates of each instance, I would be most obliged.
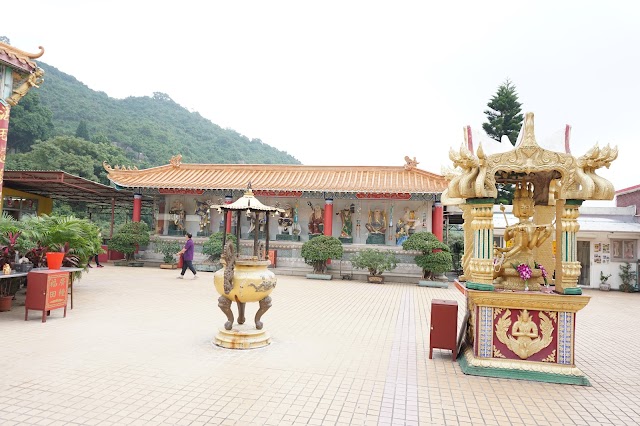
(279, 177)
(18, 59)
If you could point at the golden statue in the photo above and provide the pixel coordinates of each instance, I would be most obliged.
(377, 223)
(34, 79)
(520, 239)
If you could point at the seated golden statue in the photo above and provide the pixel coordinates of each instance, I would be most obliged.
(520, 238)
(377, 223)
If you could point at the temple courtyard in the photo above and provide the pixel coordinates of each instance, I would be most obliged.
(137, 349)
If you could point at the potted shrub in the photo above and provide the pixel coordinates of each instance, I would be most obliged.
(376, 261)
(317, 251)
(77, 239)
(128, 238)
(628, 277)
(213, 248)
(604, 285)
(168, 248)
(435, 258)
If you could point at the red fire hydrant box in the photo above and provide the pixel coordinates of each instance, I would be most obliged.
(46, 290)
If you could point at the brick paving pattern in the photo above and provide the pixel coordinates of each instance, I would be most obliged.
(137, 349)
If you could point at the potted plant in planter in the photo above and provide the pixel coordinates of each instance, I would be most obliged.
(128, 238)
(435, 258)
(168, 248)
(376, 261)
(628, 277)
(604, 285)
(317, 251)
(213, 248)
(77, 239)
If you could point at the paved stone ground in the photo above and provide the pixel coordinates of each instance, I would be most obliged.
(136, 349)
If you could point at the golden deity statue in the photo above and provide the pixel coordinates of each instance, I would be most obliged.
(377, 223)
(520, 238)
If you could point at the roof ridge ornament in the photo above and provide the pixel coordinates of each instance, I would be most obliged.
(108, 168)
(411, 164)
(176, 161)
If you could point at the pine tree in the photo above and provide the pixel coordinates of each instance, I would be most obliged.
(504, 114)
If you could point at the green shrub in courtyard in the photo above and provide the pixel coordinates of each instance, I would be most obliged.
(376, 261)
(168, 248)
(435, 258)
(129, 238)
(319, 249)
(213, 246)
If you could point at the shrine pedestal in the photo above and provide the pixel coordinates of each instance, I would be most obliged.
(376, 239)
(287, 237)
(526, 335)
(346, 240)
(242, 338)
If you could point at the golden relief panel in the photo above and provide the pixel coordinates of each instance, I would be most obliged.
(524, 337)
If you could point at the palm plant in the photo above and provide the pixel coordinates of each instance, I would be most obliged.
(78, 239)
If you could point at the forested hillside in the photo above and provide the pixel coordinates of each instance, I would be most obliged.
(149, 130)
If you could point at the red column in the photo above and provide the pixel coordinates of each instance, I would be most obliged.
(5, 110)
(137, 207)
(227, 200)
(437, 220)
(328, 217)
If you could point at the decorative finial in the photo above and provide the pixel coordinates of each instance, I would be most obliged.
(411, 164)
(176, 160)
(529, 135)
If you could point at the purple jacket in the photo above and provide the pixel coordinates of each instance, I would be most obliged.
(188, 254)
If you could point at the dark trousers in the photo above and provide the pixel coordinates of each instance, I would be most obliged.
(187, 264)
(96, 259)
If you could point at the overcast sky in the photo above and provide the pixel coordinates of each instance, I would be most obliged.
(359, 83)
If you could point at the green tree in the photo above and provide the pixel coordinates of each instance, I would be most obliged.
(318, 250)
(73, 155)
(82, 131)
(504, 114)
(129, 238)
(436, 256)
(30, 121)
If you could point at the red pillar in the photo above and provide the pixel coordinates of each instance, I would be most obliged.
(437, 220)
(328, 217)
(137, 207)
(227, 200)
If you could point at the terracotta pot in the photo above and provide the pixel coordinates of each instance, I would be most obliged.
(377, 279)
(54, 260)
(5, 303)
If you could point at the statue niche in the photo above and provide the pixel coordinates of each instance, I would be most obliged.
(316, 220)
(406, 226)
(178, 217)
(203, 212)
(347, 225)
(377, 226)
(520, 240)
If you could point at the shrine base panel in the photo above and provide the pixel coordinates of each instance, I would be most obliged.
(523, 335)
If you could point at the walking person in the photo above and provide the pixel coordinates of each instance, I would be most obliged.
(187, 257)
(97, 262)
